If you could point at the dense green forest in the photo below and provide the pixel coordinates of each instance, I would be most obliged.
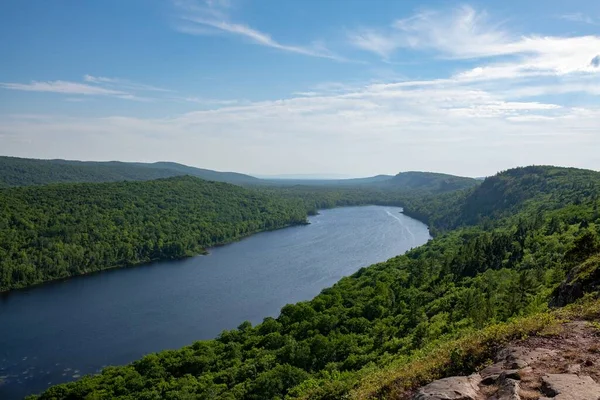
(61, 230)
(25, 171)
(502, 251)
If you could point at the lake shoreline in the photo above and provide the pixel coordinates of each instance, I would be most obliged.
(204, 252)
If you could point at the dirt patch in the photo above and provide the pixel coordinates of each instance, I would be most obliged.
(577, 348)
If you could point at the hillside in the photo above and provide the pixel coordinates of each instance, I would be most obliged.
(426, 182)
(24, 172)
(534, 189)
(430, 181)
(347, 182)
(439, 310)
(61, 230)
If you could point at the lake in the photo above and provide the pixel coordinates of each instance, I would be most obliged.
(60, 331)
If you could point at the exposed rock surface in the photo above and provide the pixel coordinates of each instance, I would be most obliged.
(453, 388)
(570, 387)
(563, 366)
(584, 278)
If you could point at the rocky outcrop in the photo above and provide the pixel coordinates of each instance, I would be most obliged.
(570, 387)
(561, 367)
(584, 278)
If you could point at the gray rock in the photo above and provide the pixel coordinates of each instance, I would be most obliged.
(570, 387)
(490, 374)
(453, 388)
(510, 374)
(517, 357)
(508, 391)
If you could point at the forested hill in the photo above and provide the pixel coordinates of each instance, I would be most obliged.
(60, 230)
(24, 171)
(426, 182)
(440, 310)
(534, 189)
(430, 181)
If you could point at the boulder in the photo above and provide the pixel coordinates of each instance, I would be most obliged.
(517, 357)
(509, 390)
(453, 388)
(490, 374)
(570, 387)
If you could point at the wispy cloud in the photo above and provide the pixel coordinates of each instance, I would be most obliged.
(579, 17)
(465, 33)
(115, 88)
(206, 101)
(123, 84)
(93, 86)
(211, 16)
(64, 87)
(375, 42)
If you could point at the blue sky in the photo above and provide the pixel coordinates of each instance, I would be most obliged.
(281, 87)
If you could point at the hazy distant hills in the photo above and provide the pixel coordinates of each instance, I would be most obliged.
(412, 180)
(433, 181)
(24, 172)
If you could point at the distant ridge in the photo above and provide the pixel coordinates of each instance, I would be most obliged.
(435, 182)
(16, 171)
(432, 182)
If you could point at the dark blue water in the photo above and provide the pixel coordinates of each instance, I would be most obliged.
(60, 331)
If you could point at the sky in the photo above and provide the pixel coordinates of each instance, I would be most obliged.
(272, 87)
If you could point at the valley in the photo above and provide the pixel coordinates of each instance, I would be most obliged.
(507, 249)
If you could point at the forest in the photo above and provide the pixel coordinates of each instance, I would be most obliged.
(62, 230)
(501, 254)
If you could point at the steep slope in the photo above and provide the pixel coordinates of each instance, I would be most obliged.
(24, 172)
(436, 311)
(56, 231)
(534, 189)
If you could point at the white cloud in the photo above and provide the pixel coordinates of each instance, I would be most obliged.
(210, 16)
(578, 17)
(62, 87)
(75, 88)
(445, 125)
(375, 42)
(468, 34)
(206, 101)
(123, 84)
